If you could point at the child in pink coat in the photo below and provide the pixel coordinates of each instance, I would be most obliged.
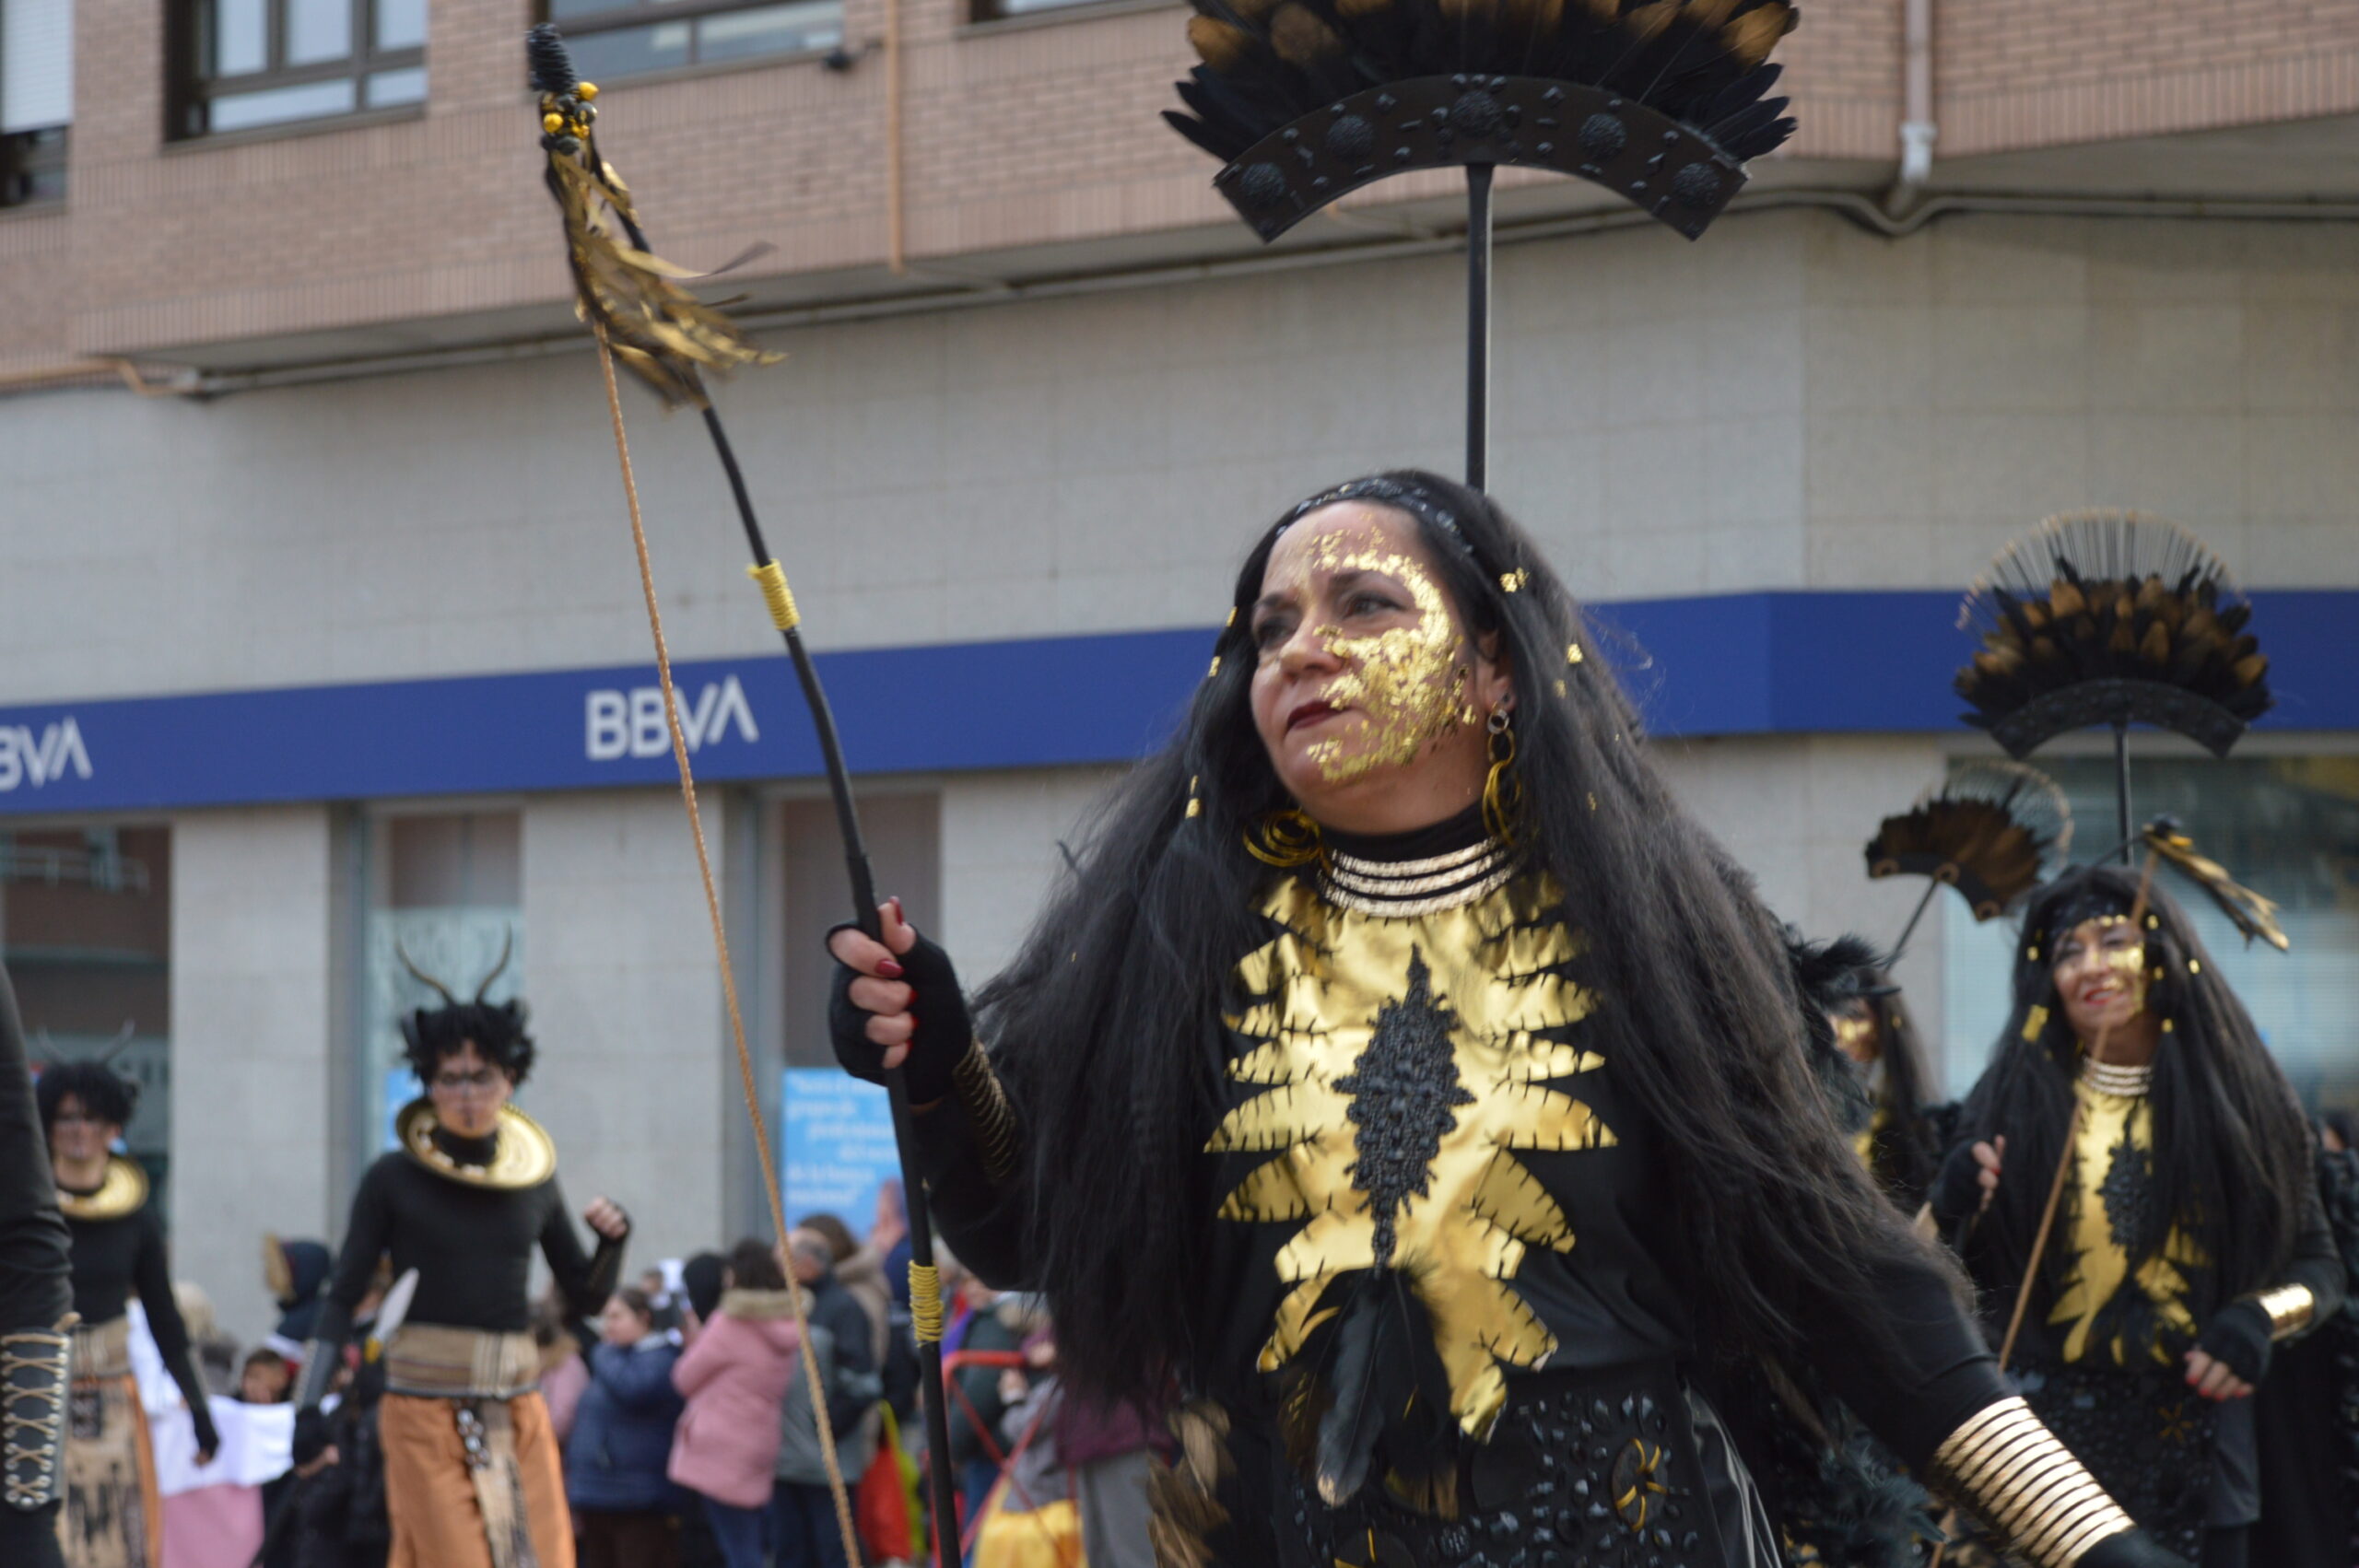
(734, 1375)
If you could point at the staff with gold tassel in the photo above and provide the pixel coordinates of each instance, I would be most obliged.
(641, 314)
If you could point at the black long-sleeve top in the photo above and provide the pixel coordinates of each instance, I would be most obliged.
(471, 1247)
(115, 1258)
(35, 1261)
(1602, 1268)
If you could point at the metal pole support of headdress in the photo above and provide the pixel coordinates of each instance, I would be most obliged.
(644, 319)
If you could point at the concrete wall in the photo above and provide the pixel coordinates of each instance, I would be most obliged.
(1796, 404)
(253, 1110)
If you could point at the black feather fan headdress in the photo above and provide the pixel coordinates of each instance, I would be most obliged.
(1661, 101)
(1992, 830)
(2110, 617)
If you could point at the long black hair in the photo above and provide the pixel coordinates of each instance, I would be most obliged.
(1908, 1150)
(105, 1094)
(1108, 1025)
(2231, 1149)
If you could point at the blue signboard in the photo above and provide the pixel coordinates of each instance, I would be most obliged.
(1746, 663)
(836, 1138)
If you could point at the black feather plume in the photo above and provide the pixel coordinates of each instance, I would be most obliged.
(1697, 61)
(1387, 1394)
(551, 65)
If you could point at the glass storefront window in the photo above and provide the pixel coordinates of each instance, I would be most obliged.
(2287, 827)
(86, 926)
(446, 890)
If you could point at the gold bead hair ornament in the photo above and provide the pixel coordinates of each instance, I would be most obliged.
(2114, 618)
(1305, 102)
(1992, 830)
(643, 318)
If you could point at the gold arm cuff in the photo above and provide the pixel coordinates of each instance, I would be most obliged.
(925, 1304)
(2006, 1467)
(2291, 1309)
(771, 577)
(987, 1108)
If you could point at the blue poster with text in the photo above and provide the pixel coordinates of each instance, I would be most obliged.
(837, 1134)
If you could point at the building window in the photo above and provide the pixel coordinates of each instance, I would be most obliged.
(445, 890)
(997, 10)
(36, 98)
(85, 926)
(255, 62)
(2287, 827)
(624, 37)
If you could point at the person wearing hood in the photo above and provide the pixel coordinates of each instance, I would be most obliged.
(297, 1273)
(734, 1375)
(615, 1458)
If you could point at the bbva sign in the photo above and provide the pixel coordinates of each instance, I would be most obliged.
(25, 760)
(630, 723)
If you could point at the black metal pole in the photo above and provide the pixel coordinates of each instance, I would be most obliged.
(2122, 783)
(1910, 929)
(1478, 326)
(942, 1484)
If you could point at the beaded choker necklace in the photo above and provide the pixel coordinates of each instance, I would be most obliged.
(2107, 1078)
(1403, 890)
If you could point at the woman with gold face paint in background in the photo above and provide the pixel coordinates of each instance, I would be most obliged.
(1405, 1086)
(2190, 1238)
(1901, 1138)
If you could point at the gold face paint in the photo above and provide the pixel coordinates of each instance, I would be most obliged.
(1855, 1036)
(2128, 963)
(1410, 682)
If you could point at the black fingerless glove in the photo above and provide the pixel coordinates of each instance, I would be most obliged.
(311, 1435)
(1957, 1190)
(2238, 1337)
(2131, 1549)
(944, 1032)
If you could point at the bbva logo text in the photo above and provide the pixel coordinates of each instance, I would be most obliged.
(24, 759)
(630, 723)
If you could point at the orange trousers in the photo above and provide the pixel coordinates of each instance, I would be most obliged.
(431, 1493)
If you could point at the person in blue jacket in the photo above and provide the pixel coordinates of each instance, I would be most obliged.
(626, 1509)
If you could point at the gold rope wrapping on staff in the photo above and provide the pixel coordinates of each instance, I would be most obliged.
(771, 577)
(925, 1302)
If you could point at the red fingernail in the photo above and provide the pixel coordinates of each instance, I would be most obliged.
(889, 968)
(897, 912)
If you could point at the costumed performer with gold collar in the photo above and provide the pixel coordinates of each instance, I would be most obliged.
(472, 1470)
(1404, 1077)
(113, 1512)
(2189, 1239)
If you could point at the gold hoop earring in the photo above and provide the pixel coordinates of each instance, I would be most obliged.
(1285, 840)
(1502, 791)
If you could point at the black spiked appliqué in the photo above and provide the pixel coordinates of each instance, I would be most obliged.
(2128, 1177)
(1405, 1090)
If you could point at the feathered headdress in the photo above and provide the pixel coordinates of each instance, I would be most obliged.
(1658, 101)
(661, 331)
(1991, 830)
(2110, 617)
(1661, 102)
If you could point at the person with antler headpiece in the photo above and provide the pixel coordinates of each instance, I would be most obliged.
(113, 1513)
(2133, 1186)
(472, 1475)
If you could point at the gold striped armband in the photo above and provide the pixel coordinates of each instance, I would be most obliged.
(987, 1109)
(2290, 1309)
(2009, 1470)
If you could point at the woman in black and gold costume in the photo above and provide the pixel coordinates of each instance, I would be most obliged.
(36, 1314)
(114, 1517)
(2190, 1238)
(1901, 1137)
(1407, 1081)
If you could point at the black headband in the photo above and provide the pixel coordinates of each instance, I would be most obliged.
(1390, 492)
(2093, 903)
